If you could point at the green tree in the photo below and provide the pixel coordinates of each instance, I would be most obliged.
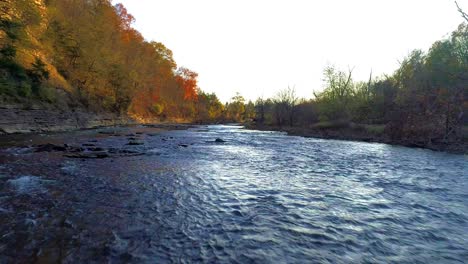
(236, 108)
(334, 101)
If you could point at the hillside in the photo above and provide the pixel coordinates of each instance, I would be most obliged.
(77, 54)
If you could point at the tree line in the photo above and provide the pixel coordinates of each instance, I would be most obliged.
(424, 99)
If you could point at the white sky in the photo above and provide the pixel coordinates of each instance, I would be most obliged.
(257, 47)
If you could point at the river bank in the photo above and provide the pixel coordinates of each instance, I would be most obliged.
(43, 118)
(38, 117)
(363, 133)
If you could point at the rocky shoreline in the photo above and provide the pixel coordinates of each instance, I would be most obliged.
(89, 147)
(358, 134)
(43, 118)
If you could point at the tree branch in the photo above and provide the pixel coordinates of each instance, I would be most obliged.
(464, 15)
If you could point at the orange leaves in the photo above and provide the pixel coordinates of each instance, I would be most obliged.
(125, 18)
(187, 79)
(97, 50)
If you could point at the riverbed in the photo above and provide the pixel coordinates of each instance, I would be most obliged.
(143, 195)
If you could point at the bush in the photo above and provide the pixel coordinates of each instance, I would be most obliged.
(48, 94)
(157, 109)
(332, 124)
(375, 129)
(24, 89)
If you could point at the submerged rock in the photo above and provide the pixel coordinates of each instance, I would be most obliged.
(27, 184)
(95, 149)
(89, 155)
(114, 152)
(49, 148)
(135, 142)
(74, 149)
(108, 132)
(127, 152)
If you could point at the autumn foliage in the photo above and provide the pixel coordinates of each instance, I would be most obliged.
(187, 79)
(89, 49)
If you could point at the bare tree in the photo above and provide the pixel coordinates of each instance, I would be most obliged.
(339, 84)
(260, 110)
(338, 93)
(464, 15)
(285, 102)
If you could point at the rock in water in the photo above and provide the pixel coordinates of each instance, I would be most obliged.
(89, 155)
(219, 140)
(49, 148)
(95, 149)
(135, 142)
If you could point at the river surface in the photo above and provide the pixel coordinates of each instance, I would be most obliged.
(259, 197)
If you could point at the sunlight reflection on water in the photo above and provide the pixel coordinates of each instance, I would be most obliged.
(258, 197)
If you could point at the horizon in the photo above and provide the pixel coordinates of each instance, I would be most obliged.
(260, 54)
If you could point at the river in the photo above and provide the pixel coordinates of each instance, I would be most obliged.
(258, 197)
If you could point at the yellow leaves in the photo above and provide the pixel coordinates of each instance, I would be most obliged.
(89, 49)
(57, 80)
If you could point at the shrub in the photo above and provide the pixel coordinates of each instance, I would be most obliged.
(158, 109)
(332, 124)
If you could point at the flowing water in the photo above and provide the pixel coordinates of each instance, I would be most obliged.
(261, 197)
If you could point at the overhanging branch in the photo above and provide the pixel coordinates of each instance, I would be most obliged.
(464, 15)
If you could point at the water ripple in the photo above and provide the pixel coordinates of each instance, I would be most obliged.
(260, 197)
